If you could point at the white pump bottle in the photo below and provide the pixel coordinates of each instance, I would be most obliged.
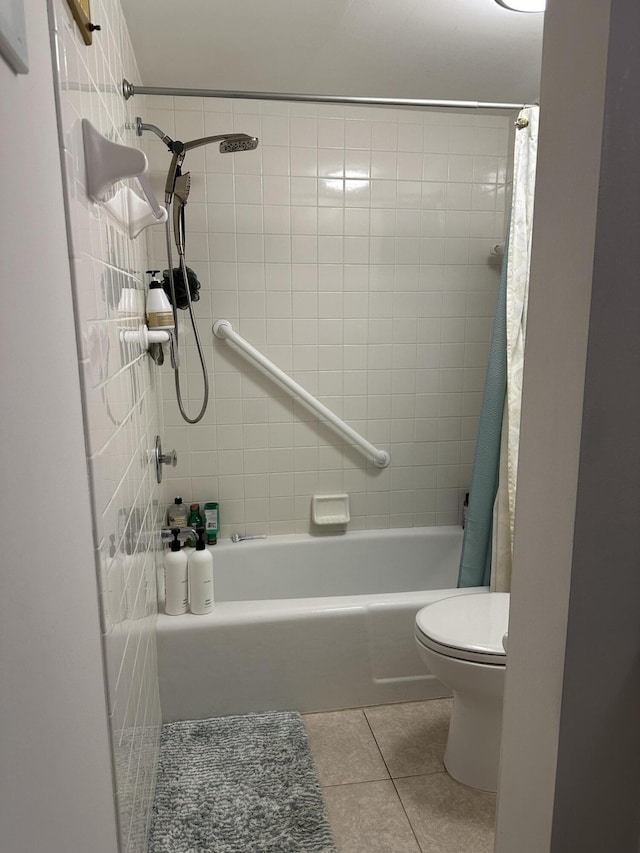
(201, 577)
(159, 311)
(176, 578)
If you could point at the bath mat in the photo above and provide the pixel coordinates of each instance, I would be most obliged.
(237, 785)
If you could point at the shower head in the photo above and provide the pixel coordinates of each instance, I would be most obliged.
(247, 143)
(181, 189)
(229, 142)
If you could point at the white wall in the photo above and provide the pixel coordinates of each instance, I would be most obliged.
(569, 776)
(352, 248)
(464, 50)
(87, 500)
(56, 789)
(119, 384)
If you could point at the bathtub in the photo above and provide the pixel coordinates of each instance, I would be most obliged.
(310, 623)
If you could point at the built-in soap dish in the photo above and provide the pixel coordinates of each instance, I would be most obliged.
(330, 510)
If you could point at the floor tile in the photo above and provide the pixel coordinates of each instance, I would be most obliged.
(343, 748)
(412, 736)
(368, 818)
(448, 817)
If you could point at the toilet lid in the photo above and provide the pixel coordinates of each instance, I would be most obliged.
(470, 627)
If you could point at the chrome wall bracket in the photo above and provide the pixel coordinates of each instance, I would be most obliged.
(160, 458)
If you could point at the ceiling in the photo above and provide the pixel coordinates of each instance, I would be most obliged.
(443, 49)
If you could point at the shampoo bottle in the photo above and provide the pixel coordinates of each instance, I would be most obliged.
(201, 577)
(176, 578)
(159, 311)
(212, 521)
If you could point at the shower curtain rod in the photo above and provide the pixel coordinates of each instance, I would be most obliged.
(129, 90)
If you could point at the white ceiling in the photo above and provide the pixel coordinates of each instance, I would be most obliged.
(444, 49)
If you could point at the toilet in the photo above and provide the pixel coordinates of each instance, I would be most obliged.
(462, 640)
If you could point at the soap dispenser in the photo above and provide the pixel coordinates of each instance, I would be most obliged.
(201, 577)
(176, 578)
(159, 311)
(177, 514)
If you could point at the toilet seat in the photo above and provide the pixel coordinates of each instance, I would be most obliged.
(467, 627)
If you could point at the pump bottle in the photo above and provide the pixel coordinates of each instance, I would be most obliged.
(159, 311)
(177, 514)
(176, 578)
(201, 577)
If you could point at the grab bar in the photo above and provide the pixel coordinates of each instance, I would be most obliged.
(223, 329)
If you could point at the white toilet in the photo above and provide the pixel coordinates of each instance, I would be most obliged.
(462, 640)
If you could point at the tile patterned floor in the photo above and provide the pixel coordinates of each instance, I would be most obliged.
(385, 786)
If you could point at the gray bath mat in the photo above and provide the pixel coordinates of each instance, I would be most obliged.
(238, 785)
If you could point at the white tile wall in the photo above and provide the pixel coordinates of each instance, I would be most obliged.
(352, 247)
(121, 410)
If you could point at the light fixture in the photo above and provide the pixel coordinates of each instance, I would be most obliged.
(524, 5)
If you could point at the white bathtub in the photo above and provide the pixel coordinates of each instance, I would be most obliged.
(309, 623)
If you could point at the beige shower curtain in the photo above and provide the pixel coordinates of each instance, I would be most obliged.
(519, 256)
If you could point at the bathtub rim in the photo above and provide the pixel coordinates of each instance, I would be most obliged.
(266, 610)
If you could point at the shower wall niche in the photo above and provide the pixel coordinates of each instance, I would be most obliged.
(353, 247)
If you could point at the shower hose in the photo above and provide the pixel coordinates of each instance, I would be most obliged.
(176, 364)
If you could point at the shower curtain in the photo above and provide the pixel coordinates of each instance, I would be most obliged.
(488, 540)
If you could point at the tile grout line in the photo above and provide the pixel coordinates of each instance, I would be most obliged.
(395, 788)
(361, 782)
(393, 782)
(385, 779)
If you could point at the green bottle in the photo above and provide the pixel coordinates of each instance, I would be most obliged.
(212, 521)
(194, 521)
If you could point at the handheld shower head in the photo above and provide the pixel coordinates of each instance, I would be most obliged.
(181, 189)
